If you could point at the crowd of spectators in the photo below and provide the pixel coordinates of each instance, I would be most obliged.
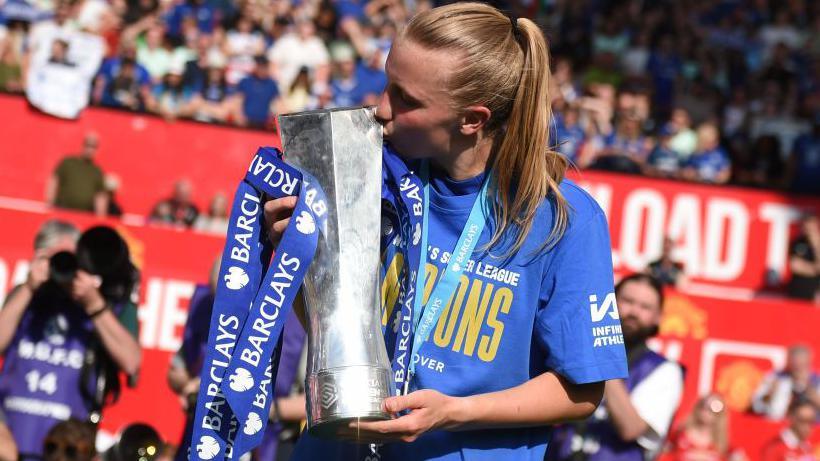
(222, 62)
(709, 91)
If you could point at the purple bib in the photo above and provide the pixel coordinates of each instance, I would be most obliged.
(609, 445)
(40, 384)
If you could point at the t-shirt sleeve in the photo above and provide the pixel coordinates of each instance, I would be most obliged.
(128, 319)
(655, 399)
(577, 323)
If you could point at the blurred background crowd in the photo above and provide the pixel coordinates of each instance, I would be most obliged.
(708, 91)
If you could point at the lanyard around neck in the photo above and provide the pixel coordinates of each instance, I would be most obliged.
(425, 316)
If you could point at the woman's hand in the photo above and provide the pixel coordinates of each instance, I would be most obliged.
(192, 387)
(429, 410)
(277, 217)
(86, 289)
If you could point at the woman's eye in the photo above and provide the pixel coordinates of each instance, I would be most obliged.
(405, 98)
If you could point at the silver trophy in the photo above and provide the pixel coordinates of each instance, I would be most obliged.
(348, 372)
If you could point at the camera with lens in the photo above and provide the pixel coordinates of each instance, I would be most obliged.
(100, 252)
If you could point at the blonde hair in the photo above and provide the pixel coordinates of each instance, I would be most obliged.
(720, 426)
(507, 71)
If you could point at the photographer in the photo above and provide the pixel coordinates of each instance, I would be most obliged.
(66, 333)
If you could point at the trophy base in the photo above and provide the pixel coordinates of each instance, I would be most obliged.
(338, 396)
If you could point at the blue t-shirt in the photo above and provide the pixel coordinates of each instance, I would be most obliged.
(709, 164)
(510, 319)
(110, 70)
(665, 160)
(350, 8)
(202, 14)
(353, 91)
(258, 94)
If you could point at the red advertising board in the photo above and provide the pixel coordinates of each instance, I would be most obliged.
(146, 152)
(727, 238)
(726, 346)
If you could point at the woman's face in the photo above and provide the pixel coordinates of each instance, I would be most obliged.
(416, 109)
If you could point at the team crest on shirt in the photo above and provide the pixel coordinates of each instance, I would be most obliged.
(56, 329)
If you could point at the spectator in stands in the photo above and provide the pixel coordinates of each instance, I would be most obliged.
(804, 261)
(665, 269)
(197, 12)
(13, 43)
(210, 101)
(570, 135)
(77, 182)
(172, 98)
(123, 83)
(626, 149)
(663, 161)
(299, 96)
(152, 53)
(797, 382)
(71, 440)
(241, 45)
(215, 221)
(186, 364)
(709, 163)
(201, 59)
(298, 51)
(684, 139)
(634, 416)
(177, 210)
(257, 94)
(8, 449)
(793, 443)
(351, 85)
(704, 434)
(804, 163)
(81, 323)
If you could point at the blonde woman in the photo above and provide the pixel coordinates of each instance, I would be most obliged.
(704, 436)
(529, 331)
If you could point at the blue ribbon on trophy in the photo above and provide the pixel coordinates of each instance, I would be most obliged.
(236, 330)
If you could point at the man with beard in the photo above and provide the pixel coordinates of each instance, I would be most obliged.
(634, 417)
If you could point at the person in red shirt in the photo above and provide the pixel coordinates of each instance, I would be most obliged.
(793, 443)
(704, 436)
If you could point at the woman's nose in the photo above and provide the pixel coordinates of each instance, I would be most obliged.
(384, 113)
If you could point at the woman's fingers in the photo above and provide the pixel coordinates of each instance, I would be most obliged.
(277, 216)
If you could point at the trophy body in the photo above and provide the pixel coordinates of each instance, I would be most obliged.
(348, 372)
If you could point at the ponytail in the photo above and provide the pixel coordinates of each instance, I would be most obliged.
(523, 163)
(505, 67)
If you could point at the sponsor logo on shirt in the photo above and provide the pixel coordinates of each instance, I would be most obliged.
(599, 311)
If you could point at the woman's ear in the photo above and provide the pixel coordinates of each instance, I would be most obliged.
(474, 119)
